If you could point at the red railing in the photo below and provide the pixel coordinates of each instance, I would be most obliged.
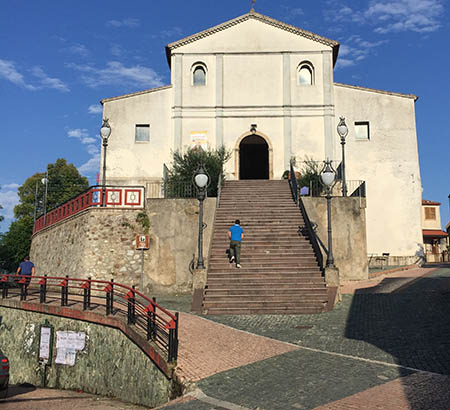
(158, 324)
(115, 197)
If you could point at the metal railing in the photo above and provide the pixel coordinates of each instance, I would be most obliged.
(115, 197)
(158, 324)
(310, 232)
(355, 188)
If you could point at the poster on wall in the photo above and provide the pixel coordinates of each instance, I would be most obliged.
(199, 139)
(68, 343)
(44, 345)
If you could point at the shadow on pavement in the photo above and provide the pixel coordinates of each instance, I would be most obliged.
(413, 325)
(18, 389)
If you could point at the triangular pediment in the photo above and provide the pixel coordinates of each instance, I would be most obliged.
(253, 16)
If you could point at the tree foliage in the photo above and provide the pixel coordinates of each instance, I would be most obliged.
(64, 182)
(185, 165)
(310, 176)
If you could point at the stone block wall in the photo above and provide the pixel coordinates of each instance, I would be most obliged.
(110, 364)
(100, 243)
(348, 218)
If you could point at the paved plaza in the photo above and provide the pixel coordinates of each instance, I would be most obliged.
(386, 345)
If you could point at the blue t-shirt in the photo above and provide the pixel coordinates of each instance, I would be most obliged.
(236, 233)
(26, 267)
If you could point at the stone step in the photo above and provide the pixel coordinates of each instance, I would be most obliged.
(265, 285)
(242, 292)
(258, 302)
(262, 258)
(305, 309)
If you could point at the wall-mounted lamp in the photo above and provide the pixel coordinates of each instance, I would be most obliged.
(253, 128)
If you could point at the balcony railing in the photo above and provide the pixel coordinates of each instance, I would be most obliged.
(125, 197)
(151, 320)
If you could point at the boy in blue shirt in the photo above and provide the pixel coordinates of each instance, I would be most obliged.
(235, 234)
(26, 268)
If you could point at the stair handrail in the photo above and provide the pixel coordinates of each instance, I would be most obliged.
(219, 189)
(308, 225)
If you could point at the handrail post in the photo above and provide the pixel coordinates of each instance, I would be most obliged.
(23, 290)
(132, 307)
(5, 286)
(151, 321)
(87, 294)
(66, 291)
(109, 298)
(43, 290)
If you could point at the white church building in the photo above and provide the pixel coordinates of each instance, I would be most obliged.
(265, 90)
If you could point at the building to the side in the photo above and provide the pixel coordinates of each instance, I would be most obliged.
(265, 90)
(435, 240)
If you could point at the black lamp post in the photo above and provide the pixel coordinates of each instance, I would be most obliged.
(105, 132)
(328, 175)
(201, 181)
(343, 131)
(45, 182)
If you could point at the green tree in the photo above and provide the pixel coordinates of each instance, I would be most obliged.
(179, 182)
(64, 182)
(310, 176)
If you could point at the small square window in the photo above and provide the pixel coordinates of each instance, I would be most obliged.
(430, 213)
(142, 133)
(362, 130)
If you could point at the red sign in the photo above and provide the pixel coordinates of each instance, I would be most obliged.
(142, 241)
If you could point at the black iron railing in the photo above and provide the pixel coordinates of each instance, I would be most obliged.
(158, 324)
(308, 228)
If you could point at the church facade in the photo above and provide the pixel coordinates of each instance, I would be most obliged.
(265, 90)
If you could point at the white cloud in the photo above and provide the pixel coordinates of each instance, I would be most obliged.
(91, 166)
(10, 186)
(116, 50)
(9, 72)
(95, 109)
(115, 73)
(355, 49)
(128, 22)
(49, 82)
(78, 49)
(8, 200)
(92, 147)
(422, 16)
(82, 135)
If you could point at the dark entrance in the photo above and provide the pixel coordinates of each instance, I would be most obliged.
(253, 158)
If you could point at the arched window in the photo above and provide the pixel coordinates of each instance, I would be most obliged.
(199, 75)
(305, 74)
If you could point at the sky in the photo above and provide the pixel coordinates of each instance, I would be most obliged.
(58, 59)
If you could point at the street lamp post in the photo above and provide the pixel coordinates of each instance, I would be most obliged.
(105, 132)
(45, 182)
(343, 131)
(328, 176)
(201, 180)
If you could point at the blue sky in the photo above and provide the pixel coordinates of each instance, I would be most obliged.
(59, 58)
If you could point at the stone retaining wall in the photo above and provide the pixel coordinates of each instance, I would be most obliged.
(110, 364)
(100, 243)
(348, 217)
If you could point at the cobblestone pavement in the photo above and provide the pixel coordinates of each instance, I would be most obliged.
(30, 398)
(207, 348)
(390, 350)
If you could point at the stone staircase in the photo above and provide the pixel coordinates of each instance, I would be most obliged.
(280, 273)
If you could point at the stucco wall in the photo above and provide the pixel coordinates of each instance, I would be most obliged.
(109, 365)
(348, 233)
(389, 164)
(101, 243)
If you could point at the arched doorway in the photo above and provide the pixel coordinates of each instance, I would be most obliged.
(253, 158)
